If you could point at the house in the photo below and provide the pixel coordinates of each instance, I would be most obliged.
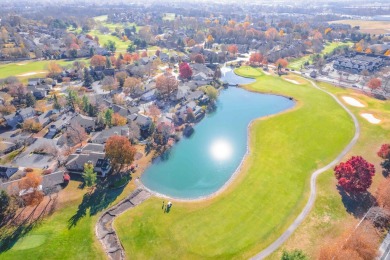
(142, 121)
(101, 137)
(84, 121)
(196, 95)
(45, 118)
(76, 163)
(19, 116)
(7, 172)
(149, 96)
(359, 62)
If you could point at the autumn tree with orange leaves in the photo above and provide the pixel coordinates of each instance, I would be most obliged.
(120, 152)
(30, 190)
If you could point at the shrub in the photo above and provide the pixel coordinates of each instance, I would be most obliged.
(28, 170)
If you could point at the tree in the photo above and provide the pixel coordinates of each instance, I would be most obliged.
(190, 118)
(98, 60)
(108, 62)
(131, 48)
(109, 83)
(166, 84)
(118, 120)
(30, 188)
(32, 126)
(233, 49)
(211, 92)
(88, 80)
(75, 134)
(384, 153)
(54, 69)
(110, 45)
(30, 100)
(185, 70)
(120, 152)
(72, 99)
(154, 112)
(5, 202)
(294, 255)
(355, 175)
(89, 176)
(121, 77)
(108, 117)
(198, 58)
(281, 63)
(374, 83)
(256, 58)
(131, 84)
(85, 103)
(383, 194)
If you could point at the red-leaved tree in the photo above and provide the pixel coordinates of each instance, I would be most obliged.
(256, 58)
(185, 70)
(120, 152)
(374, 83)
(355, 175)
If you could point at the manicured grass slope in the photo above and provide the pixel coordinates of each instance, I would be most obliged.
(56, 240)
(265, 198)
(329, 216)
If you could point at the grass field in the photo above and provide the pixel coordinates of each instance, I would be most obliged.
(30, 69)
(52, 239)
(265, 198)
(329, 216)
(373, 27)
(296, 64)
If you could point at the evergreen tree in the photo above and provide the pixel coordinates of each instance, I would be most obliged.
(88, 80)
(108, 63)
(56, 104)
(85, 101)
(4, 204)
(89, 175)
(91, 51)
(108, 117)
(30, 100)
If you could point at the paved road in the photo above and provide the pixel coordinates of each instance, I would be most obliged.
(104, 229)
(306, 210)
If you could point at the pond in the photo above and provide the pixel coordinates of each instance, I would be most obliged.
(228, 76)
(200, 165)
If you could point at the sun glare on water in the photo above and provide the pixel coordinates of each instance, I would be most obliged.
(221, 150)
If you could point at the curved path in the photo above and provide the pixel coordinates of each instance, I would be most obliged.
(112, 246)
(104, 229)
(313, 189)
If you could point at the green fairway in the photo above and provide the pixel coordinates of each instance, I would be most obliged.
(297, 64)
(267, 195)
(329, 216)
(31, 69)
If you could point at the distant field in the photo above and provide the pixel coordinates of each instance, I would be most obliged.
(373, 27)
(169, 16)
(30, 69)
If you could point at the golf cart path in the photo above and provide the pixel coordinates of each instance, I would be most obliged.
(105, 231)
(313, 188)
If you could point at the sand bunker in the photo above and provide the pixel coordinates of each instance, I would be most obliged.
(353, 102)
(292, 81)
(371, 118)
(31, 74)
(266, 72)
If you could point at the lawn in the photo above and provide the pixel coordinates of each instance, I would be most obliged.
(373, 27)
(329, 216)
(296, 64)
(30, 69)
(267, 195)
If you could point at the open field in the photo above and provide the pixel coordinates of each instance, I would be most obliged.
(121, 45)
(30, 69)
(329, 216)
(267, 195)
(296, 64)
(373, 27)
